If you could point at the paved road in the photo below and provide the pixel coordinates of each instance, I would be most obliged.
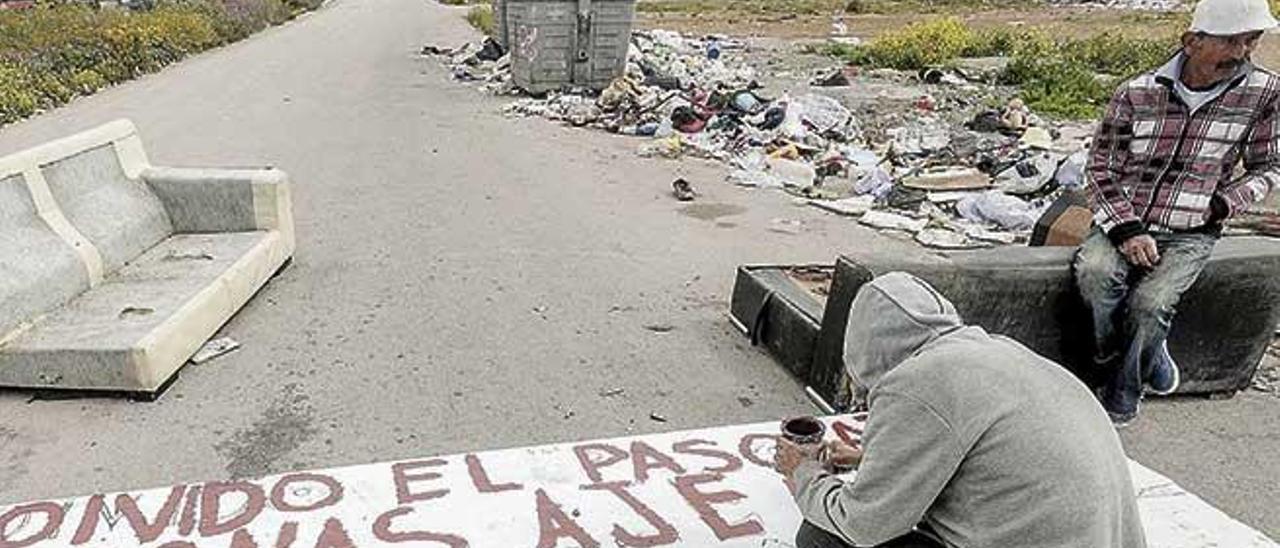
(468, 281)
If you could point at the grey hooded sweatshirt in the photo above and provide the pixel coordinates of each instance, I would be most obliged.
(974, 435)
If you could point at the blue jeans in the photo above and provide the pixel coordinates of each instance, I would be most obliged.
(1133, 307)
(810, 536)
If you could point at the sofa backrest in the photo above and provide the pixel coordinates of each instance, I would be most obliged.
(71, 211)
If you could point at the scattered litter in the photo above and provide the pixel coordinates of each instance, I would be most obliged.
(854, 206)
(964, 178)
(832, 78)
(1029, 176)
(1036, 137)
(876, 183)
(792, 172)
(942, 238)
(938, 156)
(981, 233)
(892, 221)
(950, 196)
(1070, 174)
(996, 207)
(682, 190)
(213, 349)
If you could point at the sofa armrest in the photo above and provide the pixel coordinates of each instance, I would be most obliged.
(223, 200)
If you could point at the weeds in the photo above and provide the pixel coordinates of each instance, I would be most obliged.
(820, 7)
(481, 17)
(53, 52)
(746, 7)
(1064, 77)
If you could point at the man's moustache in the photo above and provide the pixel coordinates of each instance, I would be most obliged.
(1231, 64)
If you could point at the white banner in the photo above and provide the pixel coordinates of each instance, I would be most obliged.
(713, 487)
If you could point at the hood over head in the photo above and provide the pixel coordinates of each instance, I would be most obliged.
(892, 317)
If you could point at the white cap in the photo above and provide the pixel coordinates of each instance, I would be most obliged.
(1228, 17)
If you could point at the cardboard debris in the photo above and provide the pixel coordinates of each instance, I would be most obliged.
(950, 179)
(941, 238)
(853, 207)
(892, 221)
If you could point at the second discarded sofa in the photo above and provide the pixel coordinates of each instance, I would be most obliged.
(1225, 321)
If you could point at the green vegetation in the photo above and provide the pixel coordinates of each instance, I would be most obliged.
(481, 17)
(51, 53)
(1064, 77)
(819, 7)
(745, 7)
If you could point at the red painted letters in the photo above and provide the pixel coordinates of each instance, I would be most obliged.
(593, 466)
(480, 478)
(53, 520)
(400, 473)
(702, 503)
(382, 531)
(644, 458)
(280, 492)
(554, 524)
(211, 501)
(666, 533)
(147, 532)
(690, 447)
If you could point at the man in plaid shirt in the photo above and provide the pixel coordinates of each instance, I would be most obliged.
(1163, 178)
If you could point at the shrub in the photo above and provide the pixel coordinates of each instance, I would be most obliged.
(1065, 77)
(1075, 78)
(917, 45)
(56, 51)
(481, 17)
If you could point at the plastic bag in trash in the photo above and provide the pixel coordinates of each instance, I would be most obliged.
(924, 136)
(860, 157)
(875, 182)
(1071, 172)
(792, 172)
(1030, 176)
(997, 207)
(822, 113)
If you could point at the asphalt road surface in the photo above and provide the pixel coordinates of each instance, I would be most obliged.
(467, 281)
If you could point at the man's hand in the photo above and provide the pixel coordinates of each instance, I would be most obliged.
(839, 456)
(790, 456)
(1141, 251)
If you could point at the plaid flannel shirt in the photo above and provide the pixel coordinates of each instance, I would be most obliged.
(1155, 166)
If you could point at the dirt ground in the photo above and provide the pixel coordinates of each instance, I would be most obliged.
(1075, 21)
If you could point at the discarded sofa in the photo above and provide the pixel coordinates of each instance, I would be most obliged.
(1225, 321)
(114, 272)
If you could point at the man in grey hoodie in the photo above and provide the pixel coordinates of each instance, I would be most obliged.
(970, 437)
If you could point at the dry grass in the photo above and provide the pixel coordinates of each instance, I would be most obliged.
(481, 17)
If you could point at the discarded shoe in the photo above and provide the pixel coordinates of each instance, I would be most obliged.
(683, 191)
(836, 78)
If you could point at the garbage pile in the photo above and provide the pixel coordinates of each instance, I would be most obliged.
(949, 185)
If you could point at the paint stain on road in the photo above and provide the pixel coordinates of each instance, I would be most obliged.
(710, 211)
(283, 427)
